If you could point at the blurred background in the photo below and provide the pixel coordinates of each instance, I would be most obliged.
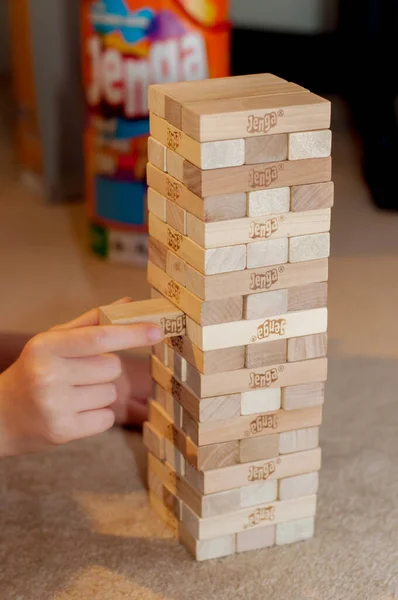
(72, 168)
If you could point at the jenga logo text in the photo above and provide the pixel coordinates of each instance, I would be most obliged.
(173, 139)
(173, 190)
(262, 422)
(271, 327)
(264, 513)
(174, 240)
(263, 230)
(263, 178)
(171, 326)
(263, 281)
(173, 291)
(178, 343)
(261, 473)
(172, 433)
(261, 124)
(176, 389)
(263, 380)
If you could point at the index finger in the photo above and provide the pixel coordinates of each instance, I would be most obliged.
(90, 341)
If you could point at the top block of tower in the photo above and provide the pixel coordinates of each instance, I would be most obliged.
(239, 107)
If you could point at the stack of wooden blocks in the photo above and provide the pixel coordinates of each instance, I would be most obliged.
(239, 200)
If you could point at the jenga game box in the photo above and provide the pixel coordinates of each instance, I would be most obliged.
(128, 45)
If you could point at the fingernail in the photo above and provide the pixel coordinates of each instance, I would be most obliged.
(155, 334)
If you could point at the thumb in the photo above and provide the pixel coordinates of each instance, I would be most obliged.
(87, 319)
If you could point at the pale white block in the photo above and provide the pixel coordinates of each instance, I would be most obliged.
(217, 155)
(309, 247)
(298, 440)
(260, 401)
(259, 493)
(310, 144)
(295, 531)
(268, 202)
(298, 486)
(156, 204)
(267, 253)
(255, 539)
(225, 260)
(266, 304)
(215, 548)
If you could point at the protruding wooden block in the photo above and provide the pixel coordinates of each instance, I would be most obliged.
(309, 296)
(266, 304)
(303, 396)
(267, 253)
(306, 347)
(295, 531)
(268, 202)
(157, 204)
(207, 549)
(176, 217)
(301, 439)
(153, 441)
(261, 401)
(254, 449)
(157, 154)
(298, 486)
(255, 539)
(161, 312)
(309, 247)
(267, 148)
(313, 196)
(310, 144)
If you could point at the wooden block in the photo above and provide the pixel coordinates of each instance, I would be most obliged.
(268, 202)
(267, 148)
(238, 428)
(266, 304)
(253, 281)
(217, 361)
(176, 217)
(261, 401)
(174, 457)
(279, 375)
(267, 253)
(227, 335)
(163, 98)
(153, 441)
(249, 117)
(298, 486)
(220, 408)
(160, 351)
(255, 539)
(223, 311)
(263, 355)
(157, 254)
(218, 456)
(247, 518)
(170, 359)
(164, 513)
(301, 439)
(211, 155)
(157, 154)
(265, 491)
(224, 207)
(207, 549)
(313, 196)
(295, 531)
(157, 204)
(256, 177)
(309, 247)
(212, 261)
(308, 346)
(254, 449)
(161, 312)
(309, 296)
(310, 144)
(175, 164)
(173, 409)
(246, 474)
(246, 231)
(154, 294)
(303, 396)
(175, 267)
(173, 190)
(180, 367)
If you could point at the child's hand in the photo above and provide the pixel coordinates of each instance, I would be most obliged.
(62, 386)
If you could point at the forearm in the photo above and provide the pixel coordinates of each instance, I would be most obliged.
(11, 346)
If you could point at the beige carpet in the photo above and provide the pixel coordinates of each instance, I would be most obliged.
(75, 524)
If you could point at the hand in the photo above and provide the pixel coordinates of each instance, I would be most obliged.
(62, 386)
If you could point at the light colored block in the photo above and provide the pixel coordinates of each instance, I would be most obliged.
(266, 148)
(224, 207)
(268, 202)
(261, 401)
(313, 196)
(298, 440)
(160, 351)
(176, 217)
(218, 155)
(310, 144)
(266, 304)
(225, 260)
(153, 441)
(157, 204)
(175, 164)
(295, 531)
(267, 253)
(207, 549)
(303, 396)
(157, 154)
(255, 539)
(254, 449)
(305, 297)
(175, 267)
(307, 347)
(180, 367)
(174, 457)
(259, 493)
(262, 355)
(298, 486)
(309, 247)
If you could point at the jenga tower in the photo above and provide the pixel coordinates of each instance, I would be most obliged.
(239, 200)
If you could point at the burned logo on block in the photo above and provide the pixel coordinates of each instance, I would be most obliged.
(176, 389)
(174, 240)
(265, 421)
(263, 281)
(173, 326)
(173, 138)
(270, 327)
(173, 291)
(263, 230)
(264, 177)
(173, 190)
(264, 513)
(263, 380)
(263, 124)
(262, 472)
(177, 342)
